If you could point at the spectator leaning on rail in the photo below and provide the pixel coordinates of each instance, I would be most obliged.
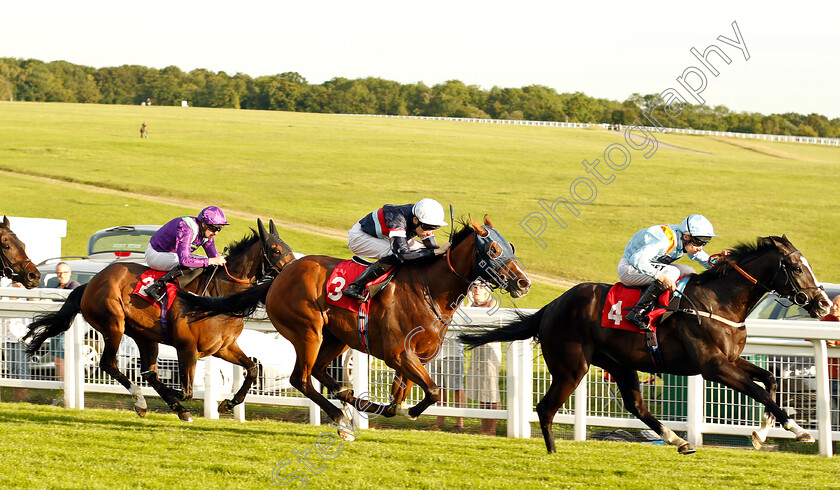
(834, 365)
(649, 255)
(170, 248)
(388, 234)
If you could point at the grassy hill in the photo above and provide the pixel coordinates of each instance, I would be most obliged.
(323, 172)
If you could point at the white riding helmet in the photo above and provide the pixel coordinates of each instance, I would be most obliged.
(429, 212)
(697, 225)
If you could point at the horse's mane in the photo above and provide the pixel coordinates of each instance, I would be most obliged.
(737, 254)
(242, 245)
(463, 232)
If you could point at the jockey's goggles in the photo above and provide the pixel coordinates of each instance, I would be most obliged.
(426, 227)
(700, 241)
(214, 228)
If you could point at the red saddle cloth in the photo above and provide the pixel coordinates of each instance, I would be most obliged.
(146, 280)
(343, 274)
(619, 301)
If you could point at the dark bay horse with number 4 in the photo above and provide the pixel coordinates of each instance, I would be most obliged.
(16, 264)
(107, 303)
(705, 336)
(408, 318)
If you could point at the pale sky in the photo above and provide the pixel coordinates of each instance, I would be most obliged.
(604, 49)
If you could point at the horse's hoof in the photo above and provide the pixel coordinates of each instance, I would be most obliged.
(804, 437)
(756, 441)
(226, 406)
(345, 430)
(686, 449)
(140, 411)
(185, 417)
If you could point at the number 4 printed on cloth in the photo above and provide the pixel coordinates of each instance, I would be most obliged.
(615, 313)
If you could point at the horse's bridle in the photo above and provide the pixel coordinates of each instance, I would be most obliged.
(9, 267)
(797, 297)
(492, 278)
(269, 270)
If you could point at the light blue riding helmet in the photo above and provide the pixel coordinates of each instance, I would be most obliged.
(697, 225)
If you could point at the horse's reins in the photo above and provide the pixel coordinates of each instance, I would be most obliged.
(788, 279)
(449, 263)
(721, 259)
(234, 279)
(272, 267)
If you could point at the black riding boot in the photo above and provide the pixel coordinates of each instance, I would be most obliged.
(157, 288)
(356, 289)
(639, 314)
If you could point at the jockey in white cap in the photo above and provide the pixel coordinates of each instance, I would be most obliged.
(388, 234)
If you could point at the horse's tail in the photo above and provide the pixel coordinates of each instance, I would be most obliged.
(238, 305)
(49, 325)
(525, 327)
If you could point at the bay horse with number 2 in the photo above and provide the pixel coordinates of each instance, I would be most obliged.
(706, 337)
(107, 302)
(408, 318)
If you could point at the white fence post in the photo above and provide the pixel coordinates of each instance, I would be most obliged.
(695, 398)
(823, 398)
(238, 379)
(211, 388)
(361, 378)
(514, 404)
(314, 409)
(581, 407)
(525, 387)
(74, 368)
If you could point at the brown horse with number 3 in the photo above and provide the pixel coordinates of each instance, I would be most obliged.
(408, 318)
(705, 336)
(107, 303)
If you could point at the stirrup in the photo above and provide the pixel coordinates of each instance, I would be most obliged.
(640, 320)
(156, 291)
(348, 291)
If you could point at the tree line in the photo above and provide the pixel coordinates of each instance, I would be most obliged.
(61, 81)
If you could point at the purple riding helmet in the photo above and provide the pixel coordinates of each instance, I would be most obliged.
(212, 215)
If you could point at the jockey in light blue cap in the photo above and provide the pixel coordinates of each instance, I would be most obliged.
(170, 248)
(649, 255)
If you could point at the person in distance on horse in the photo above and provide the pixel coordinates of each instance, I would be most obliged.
(388, 234)
(170, 248)
(648, 259)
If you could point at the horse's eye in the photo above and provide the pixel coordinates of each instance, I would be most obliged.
(797, 270)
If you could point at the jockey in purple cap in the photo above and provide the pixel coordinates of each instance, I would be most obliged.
(170, 248)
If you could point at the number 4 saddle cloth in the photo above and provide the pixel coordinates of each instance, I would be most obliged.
(622, 298)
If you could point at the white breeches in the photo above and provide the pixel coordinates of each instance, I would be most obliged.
(630, 276)
(365, 245)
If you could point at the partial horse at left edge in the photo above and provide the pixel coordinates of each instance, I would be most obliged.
(16, 264)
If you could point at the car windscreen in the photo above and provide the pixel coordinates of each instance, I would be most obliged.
(134, 241)
(50, 280)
